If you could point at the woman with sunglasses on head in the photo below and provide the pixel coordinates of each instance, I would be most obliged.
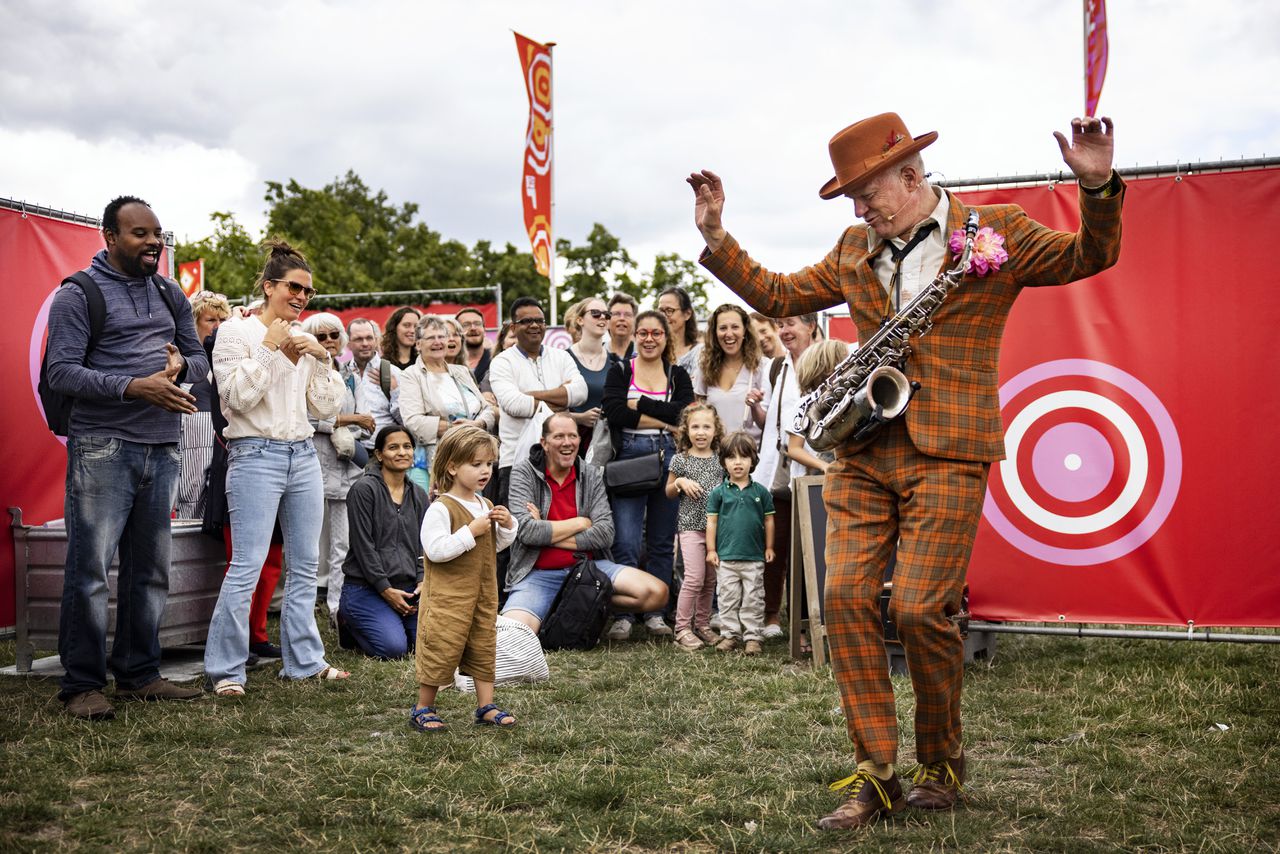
(643, 399)
(195, 442)
(269, 381)
(589, 318)
(336, 440)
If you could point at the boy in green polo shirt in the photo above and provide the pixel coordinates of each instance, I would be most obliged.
(739, 542)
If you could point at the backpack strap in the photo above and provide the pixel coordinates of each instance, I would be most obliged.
(384, 378)
(775, 369)
(97, 306)
(170, 296)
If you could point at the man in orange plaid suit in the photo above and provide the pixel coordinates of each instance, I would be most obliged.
(918, 484)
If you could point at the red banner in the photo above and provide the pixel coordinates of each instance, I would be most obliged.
(191, 277)
(1096, 49)
(35, 255)
(1139, 408)
(535, 185)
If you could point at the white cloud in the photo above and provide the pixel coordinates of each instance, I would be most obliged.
(204, 102)
(183, 181)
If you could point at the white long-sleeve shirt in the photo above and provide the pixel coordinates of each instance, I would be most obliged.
(262, 393)
(440, 544)
(512, 374)
(371, 401)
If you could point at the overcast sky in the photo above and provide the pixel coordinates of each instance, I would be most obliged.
(194, 105)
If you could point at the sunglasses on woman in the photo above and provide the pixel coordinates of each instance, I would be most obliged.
(598, 314)
(296, 289)
(328, 336)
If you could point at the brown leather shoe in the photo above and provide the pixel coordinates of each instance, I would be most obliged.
(937, 785)
(159, 689)
(90, 706)
(869, 799)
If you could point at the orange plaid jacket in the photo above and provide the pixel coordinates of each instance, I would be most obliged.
(956, 412)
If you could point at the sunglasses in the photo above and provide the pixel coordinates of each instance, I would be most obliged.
(328, 336)
(598, 314)
(530, 321)
(296, 289)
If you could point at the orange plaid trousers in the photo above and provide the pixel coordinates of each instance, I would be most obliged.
(890, 493)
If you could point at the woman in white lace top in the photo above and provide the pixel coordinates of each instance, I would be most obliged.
(269, 378)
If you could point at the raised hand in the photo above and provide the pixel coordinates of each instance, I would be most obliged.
(1091, 150)
(708, 206)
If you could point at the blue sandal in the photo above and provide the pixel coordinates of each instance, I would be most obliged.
(497, 720)
(421, 719)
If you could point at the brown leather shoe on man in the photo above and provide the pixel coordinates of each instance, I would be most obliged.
(90, 706)
(937, 784)
(159, 689)
(869, 799)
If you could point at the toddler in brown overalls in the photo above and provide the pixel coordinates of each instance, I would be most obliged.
(461, 537)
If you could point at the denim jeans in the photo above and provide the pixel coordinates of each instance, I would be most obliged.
(119, 494)
(378, 630)
(266, 477)
(646, 520)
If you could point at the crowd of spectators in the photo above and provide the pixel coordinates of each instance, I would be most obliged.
(320, 440)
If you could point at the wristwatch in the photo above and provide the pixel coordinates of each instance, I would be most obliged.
(1106, 190)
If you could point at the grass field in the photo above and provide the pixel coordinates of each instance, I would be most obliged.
(1074, 745)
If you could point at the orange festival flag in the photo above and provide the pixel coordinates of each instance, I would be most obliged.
(1096, 52)
(191, 277)
(535, 188)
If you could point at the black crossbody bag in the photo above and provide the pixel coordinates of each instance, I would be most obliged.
(637, 475)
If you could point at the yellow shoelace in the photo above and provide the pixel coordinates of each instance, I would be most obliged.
(933, 772)
(856, 781)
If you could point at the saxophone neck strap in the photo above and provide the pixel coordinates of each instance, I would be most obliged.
(894, 298)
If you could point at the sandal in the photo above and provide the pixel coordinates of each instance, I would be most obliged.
(498, 720)
(330, 674)
(425, 719)
(228, 688)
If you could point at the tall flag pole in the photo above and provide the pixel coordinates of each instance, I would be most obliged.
(1095, 53)
(536, 189)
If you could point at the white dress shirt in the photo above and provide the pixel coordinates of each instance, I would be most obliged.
(513, 373)
(921, 266)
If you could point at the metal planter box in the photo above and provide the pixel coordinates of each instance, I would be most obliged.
(40, 552)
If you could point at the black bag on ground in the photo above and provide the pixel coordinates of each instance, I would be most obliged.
(581, 608)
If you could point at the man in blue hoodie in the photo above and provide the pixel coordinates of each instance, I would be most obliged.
(122, 459)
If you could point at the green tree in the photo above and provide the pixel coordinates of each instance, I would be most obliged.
(513, 270)
(599, 266)
(232, 258)
(673, 271)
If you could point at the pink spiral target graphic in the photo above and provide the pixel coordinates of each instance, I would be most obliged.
(1093, 463)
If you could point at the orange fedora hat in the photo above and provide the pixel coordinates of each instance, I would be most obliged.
(865, 149)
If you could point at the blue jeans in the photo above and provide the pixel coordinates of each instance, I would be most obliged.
(646, 520)
(119, 494)
(378, 630)
(266, 477)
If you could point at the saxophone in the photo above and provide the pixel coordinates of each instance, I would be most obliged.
(868, 389)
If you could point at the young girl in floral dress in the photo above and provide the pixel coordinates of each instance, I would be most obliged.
(695, 471)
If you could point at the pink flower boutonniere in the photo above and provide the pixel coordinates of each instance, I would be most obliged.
(988, 250)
